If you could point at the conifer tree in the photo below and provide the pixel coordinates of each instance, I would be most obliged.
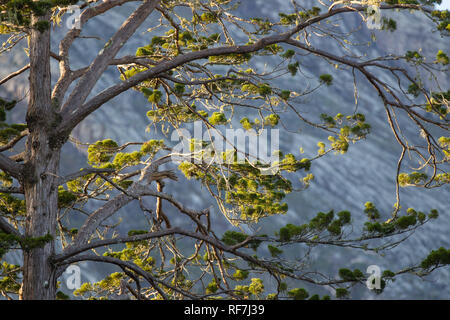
(205, 61)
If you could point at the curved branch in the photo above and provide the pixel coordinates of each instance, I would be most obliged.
(14, 141)
(133, 267)
(84, 172)
(71, 118)
(14, 74)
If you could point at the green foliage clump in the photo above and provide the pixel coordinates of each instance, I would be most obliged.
(414, 178)
(348, 275)
(344, 216)
(341, 293)
(144, 51)
(126, 159)
(256, 286)
(8, 131)
(7, 241)
(442, 19)
(10, 275)
(131, 253)
(414, 56)
(29, 243)
(157, 41)
(11, 205)
(99, 288)
(65, 198)
(371, 211)
(17, 13)
(42, 25)
(290, 164)
(212, 287)
(246, 124)
(438, 103)
(285, 94)
(340, 143)
(406, 221)
(131, 72)
(433, 214)
(152, 146)
(414, 89)
(293, 68)
(289, 231)
(287, 19)
(326, 79)
(271, 120)
(208, 17)
(298, 294)
(190, 171)
(436, 258)
(445, 144)
(328, 120)
(442, 58)
(231, 59)
(387, 274)
(321, 220)
(240, 274)
(272, 49)
(381, 228)
(6, 105)
(62, 296)
(217, 118)
(101, 151)
(274, 251)
(179, 88)
(233, 238)
(288, 54)
(155, 97)
(389, 24)
(5, 179)
(136, 232)
(264, 90)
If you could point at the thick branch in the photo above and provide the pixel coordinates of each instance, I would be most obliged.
(70, 255)
(72, 118)
(66, 77)
(112, 47)
(133, 267)
(10, 167)
(12, 190)
(72, 251)
(101, 214)
(8, 229)
(112, 206)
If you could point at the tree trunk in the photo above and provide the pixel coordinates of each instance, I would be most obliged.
(40, 180)
(41, 197)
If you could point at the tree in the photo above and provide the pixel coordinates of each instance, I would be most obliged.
(203, 63)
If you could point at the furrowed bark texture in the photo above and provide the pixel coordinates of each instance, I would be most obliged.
(40, 177)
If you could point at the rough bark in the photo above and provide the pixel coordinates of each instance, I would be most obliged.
(40, 178)
(41, 196)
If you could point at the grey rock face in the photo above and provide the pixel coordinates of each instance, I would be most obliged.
(365, 173)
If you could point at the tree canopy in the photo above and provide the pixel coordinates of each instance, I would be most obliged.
(207, 63)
